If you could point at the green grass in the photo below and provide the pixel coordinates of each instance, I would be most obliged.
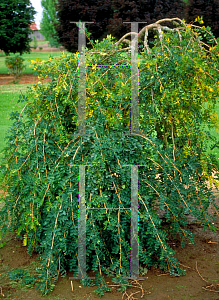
(215, 134)
(28, 58)
(39, 43)
(9, 95)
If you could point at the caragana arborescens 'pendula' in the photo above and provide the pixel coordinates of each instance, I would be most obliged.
(178, 90)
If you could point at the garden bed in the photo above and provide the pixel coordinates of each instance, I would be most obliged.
(24, 79)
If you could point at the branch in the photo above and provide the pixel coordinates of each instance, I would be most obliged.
(154, 26)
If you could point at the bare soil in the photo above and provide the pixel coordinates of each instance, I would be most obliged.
(24, 79)
(47, 49)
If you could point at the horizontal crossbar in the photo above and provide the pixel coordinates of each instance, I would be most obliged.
(122, 276)
(117, 208)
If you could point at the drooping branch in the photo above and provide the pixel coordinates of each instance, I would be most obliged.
(155, 26)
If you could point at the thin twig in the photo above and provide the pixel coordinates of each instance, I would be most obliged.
(185, 266)
(130, 297)
(1, 292)
(200, 274)
(209, 286)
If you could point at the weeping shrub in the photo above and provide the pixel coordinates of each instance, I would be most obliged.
(178, 90)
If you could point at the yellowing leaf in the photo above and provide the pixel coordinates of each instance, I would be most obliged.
(25, 241)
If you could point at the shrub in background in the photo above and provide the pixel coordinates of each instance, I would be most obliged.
(15, 65)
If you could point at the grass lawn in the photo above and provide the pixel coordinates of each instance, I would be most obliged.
(39, 43)
(28, 58)
(216, 135)
(9, 95)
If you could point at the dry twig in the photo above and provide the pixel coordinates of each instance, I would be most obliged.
(1, 292)
(138, 285)
(214, 286)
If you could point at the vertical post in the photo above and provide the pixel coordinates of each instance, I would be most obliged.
(82, 225)
(81, 132)
(134, 79)
(134, 263)
(81, 81)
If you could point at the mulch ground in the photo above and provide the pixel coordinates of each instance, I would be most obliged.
(24, 79)
(48, 49)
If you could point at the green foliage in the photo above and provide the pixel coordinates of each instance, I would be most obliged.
(102, 285)
(25, 277)
(15, 65)
(178, 89)
(207, 9)
(15, 19)
(2, 245)
(34, 42)
(49, 20)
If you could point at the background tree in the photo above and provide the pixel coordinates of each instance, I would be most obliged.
(209, 10)
(15, 19)
(108, 16)
(48, 21)
(98, 12)
(150, 11)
